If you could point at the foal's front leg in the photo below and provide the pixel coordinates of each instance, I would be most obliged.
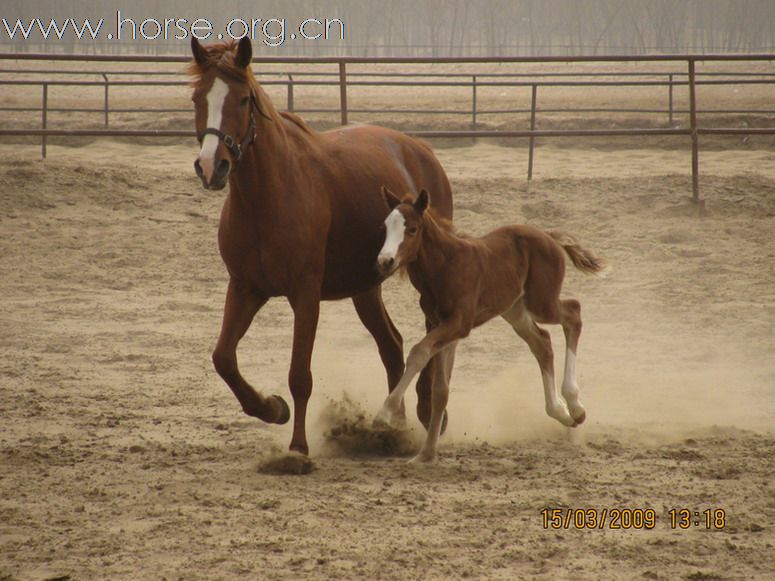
(448, 331)
(439, 397)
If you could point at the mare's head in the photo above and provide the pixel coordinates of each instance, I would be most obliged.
(403, 229)
(226, 100)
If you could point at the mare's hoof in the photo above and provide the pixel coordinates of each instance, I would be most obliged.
(285, 411)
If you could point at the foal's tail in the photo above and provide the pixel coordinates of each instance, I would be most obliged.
(582, 258)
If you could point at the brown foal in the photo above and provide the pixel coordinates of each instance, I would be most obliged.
(514, 271)
(301, 220)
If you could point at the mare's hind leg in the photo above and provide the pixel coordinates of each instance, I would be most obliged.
(540, 343)
(372, 313)
(570, 318)
(242, 304)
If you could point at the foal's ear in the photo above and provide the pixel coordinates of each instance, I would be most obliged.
(200, 54)
(244, 53)
(390, 198)
(422, 202)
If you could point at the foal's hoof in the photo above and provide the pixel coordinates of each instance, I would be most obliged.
(580, 419)
(386, 421)
(424, 458)
(285, 411)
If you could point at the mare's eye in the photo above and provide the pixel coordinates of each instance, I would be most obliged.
(244, 101)
(412, 231)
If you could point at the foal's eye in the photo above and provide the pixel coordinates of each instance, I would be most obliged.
(244, 101)
(412, 231)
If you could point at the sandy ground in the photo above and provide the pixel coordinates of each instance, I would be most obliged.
(124, 456)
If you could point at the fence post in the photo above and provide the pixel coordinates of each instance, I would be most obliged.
(533, 98)
(44, 121)
(695, 136)
(106, 106)
(670, 99)
(473, 102)
(290, 92)
(343, 92)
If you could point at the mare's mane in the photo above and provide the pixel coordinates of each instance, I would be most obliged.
(296, 120)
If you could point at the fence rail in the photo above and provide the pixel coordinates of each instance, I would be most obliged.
(344, 80)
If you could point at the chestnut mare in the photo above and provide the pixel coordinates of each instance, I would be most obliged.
(515, 272)
(302, 220)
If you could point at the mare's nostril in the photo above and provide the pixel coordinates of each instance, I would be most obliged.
(223, 168)
(198, 168)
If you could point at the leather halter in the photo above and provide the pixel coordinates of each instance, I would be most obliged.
(236, 149)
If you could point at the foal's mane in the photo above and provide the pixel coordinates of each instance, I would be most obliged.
(430, 217)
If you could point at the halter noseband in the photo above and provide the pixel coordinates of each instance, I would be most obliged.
(236, 149)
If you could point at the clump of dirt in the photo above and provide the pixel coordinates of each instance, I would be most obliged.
(286, 463)
(348, 431)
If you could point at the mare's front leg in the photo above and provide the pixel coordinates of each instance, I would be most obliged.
(242, 304)
(306, 309)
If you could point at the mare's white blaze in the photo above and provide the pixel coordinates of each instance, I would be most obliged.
(215, 100)
(395, 225)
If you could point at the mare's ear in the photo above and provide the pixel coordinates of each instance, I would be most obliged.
(422, 202)
(200, 54)
(390, 198)
(244, 53)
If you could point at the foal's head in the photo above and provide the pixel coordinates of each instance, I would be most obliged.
(403, 228)
(225, 97)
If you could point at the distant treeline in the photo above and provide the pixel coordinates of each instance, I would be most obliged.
(398, 27)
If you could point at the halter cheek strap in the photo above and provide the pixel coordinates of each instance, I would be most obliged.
(237, 149)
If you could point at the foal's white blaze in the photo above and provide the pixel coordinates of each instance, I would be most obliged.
(395, 225)
(215, 100)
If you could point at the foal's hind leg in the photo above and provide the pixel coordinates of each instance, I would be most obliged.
(570, 318)
(540, 343)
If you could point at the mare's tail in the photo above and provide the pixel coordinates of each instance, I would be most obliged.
(582, 258)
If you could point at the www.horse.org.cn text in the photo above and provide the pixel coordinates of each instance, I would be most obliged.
(272, 32)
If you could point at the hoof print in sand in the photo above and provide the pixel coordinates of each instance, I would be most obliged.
(286, 463)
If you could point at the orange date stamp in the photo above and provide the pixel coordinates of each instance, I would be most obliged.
(631, 518)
